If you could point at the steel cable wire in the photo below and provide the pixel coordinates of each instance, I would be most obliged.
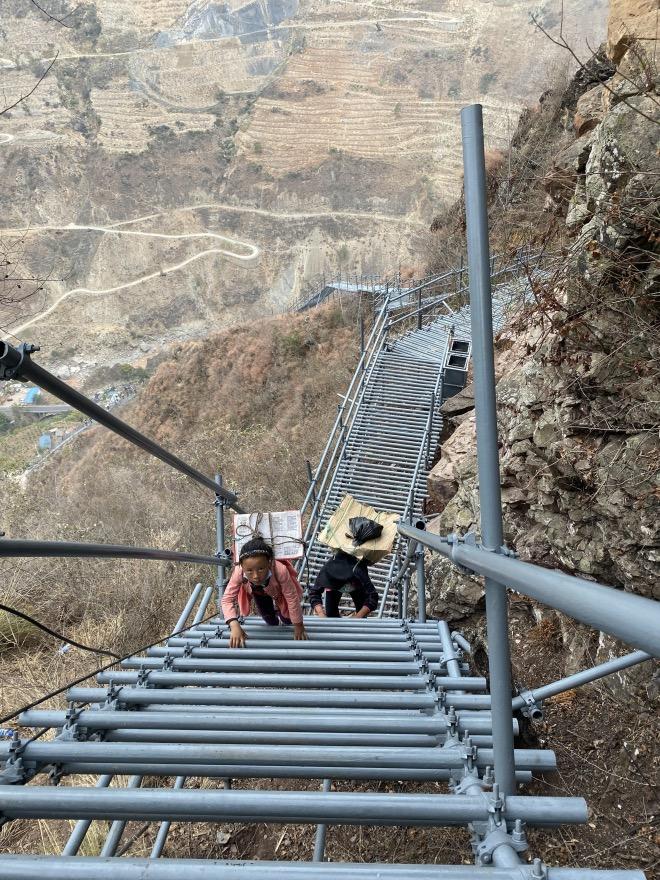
(54, 633)
(58, 691)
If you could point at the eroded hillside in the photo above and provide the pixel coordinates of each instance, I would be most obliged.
(318, 137)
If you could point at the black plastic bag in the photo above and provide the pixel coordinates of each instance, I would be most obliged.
(363, 529)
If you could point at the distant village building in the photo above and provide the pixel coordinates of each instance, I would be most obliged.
(31, 395)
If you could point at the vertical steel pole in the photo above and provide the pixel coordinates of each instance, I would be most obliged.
(430, 429)
(220, 538)
(190, 604)
(164, 830)
(419, 309)
(312, 480)
(319, 841)
(404, 597)
(118, 826)
(499, 656)
(82, 825)
(448, 654)
(421, 584)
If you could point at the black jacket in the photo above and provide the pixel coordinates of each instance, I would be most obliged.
(341, 570)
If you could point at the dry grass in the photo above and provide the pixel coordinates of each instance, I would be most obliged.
(253, 402)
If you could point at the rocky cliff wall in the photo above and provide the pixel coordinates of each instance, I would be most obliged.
(630, 20)
(578, 398)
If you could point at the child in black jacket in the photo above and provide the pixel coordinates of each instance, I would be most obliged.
(343, 572)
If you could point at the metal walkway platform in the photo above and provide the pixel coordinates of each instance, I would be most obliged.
(387, 432)
(195, 710)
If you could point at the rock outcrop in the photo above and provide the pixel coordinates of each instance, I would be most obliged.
(630, 20)
(579, 406)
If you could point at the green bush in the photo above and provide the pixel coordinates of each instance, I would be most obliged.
(486, 81)
(131, 373)
(293, 344)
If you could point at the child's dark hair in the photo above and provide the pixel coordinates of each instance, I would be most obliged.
(255, 547)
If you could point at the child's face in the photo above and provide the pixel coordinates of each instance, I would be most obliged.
(256, 568)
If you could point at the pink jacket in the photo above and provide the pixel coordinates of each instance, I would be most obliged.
(283, 588)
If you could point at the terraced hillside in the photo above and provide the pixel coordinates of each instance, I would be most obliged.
(323, 136)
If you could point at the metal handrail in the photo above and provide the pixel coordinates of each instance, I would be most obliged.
(341, 431)
(442, 298)
(16, 363)
(377, 331)
(410, 501)
(311, 300)
(69, 549)
(627, 616)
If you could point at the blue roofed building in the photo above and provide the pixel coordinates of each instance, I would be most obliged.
(31, 395)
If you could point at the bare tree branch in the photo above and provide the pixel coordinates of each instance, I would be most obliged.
(61, 21)
(33, 89)
(646, 89)
(562, 43)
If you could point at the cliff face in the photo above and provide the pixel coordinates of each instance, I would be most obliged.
(579, 411)
(578, 398)
(630, 20)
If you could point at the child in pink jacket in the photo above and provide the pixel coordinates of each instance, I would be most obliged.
(271, 583)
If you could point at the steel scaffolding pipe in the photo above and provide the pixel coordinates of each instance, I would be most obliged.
(304, 807)
(217, 650)
(187, 608)
(276, 771)
(285, 634)
(164, 830)
(331, 625)
(269, 737)
(321, 830)
(536, 696)
(200, 671)
(266, 647)
(264, 679)
(421, 583)
(490, 506)
(300, 666)
(63, 752)
(324, 722)
(81, 828)
(219, 505)
(631, 618)
(16, 363)
(69, 549)
(117, 828)
(450, 657)
(276, 738)
(257, 697)
(93, 868)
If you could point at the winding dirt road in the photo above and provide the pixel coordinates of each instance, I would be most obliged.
(246, 259)
(279, 215)
(241, 259)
